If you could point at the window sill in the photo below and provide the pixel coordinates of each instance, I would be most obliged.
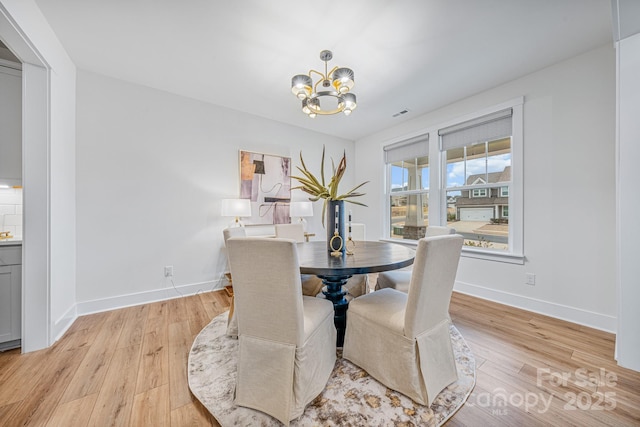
(472, 253)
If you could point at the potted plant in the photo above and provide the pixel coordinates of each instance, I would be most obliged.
(333, 201)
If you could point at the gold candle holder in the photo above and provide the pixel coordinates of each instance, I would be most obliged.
(335, 240)
(350, 246)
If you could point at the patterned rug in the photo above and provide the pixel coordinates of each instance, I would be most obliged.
(351, 397)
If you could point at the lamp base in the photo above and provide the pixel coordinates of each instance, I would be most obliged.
(236, 223)
(304, 224)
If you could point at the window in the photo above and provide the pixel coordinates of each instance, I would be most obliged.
(478, 156)
(408, 187)
(479, 192)
(476, 172)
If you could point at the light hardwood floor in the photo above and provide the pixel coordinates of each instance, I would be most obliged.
(128, 368)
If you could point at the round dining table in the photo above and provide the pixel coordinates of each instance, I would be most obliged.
(367, 257)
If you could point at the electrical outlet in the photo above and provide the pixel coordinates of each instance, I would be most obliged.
(530, 279)
(168, 271)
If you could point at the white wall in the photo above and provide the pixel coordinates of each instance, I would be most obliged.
(152, 168)
(569, 190)
(49, 245)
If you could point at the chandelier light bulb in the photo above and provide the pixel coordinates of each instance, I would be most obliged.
(301, 86)
(349, 101)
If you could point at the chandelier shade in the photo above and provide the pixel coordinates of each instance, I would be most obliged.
(336, 96)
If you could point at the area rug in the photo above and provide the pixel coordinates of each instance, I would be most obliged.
(351, 397)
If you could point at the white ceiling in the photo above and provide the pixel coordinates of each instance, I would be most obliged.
(413, 54)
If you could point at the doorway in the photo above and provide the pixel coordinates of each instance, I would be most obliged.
(36, 322)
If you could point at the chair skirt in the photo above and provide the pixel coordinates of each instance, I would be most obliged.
(374, 340)
(281, 365)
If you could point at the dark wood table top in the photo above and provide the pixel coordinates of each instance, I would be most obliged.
(368, 257)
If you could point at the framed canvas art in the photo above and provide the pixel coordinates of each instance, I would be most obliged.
(265, 179)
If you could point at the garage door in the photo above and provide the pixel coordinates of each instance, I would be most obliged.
(476, 214)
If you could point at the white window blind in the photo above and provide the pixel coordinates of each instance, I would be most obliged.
(486, 128)
(408, 149)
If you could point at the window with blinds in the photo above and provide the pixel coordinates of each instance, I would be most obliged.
(477, 178)
(408, 187)
(476, 169)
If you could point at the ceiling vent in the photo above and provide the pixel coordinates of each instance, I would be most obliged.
(399, 113)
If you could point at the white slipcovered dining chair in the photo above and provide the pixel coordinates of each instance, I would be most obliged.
(286, 340)
(358, 231)
(312, 285)
(399, 279)
(232, 323)
(403, 340)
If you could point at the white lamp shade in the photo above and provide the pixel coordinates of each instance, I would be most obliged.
(300, 209)
(236, 207)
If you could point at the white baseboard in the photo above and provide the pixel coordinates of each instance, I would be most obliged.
(128, 300)
(559, 311)
(64, 322)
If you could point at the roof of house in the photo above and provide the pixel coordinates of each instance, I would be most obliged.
(492, 177)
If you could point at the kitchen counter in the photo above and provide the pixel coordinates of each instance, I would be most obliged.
(14, 241)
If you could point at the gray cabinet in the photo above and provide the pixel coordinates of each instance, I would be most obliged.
(10, 126)
(10, 296)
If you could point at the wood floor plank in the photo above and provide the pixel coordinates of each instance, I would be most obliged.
(158, 309)
(83, 331)
(7, 410)
(198, 317)
(151, 408)
(90, 375)
(38, 406)
(154, 362)
(178, 310)
(179, 345)
(215, 302)
(115, 399)
(134, 326)
(18, 381)
(192, 414)
(73, 414)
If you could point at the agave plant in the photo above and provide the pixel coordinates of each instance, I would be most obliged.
(318, 189)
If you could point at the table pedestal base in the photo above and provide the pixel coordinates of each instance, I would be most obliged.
(335, 293)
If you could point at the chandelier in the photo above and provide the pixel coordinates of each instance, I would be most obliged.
(335, 95)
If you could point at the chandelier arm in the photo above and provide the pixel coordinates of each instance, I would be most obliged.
(318, 73)
(315, 86)
(332, 71)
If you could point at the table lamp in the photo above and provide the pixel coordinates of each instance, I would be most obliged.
(236, 208)
(300, 210)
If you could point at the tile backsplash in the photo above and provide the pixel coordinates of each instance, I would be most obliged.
(11, 211)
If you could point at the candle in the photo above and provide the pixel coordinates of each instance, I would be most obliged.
(337, 220)
(349, 223)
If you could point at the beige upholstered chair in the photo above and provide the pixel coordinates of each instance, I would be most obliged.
(293, 231)
(286, 340)
(399, 279)
(358, 231)
(311, 285)
(403, 340)
(232, 323)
